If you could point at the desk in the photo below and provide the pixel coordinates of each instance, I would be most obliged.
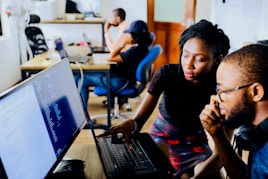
(100, 21)
(49, 58)
(84, 148)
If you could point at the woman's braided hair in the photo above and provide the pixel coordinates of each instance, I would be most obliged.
(210, 34)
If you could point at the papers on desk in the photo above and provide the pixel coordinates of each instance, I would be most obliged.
(101, 58)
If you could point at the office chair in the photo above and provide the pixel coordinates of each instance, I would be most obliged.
(153, 38)
(35, 37)
(143, 75)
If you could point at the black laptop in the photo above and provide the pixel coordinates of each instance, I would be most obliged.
(95, 49)
(144, 160)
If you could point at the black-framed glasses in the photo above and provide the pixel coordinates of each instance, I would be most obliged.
(220, 91)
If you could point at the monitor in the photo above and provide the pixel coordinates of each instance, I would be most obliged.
(39, 120)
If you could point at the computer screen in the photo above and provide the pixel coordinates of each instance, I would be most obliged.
(39, 120)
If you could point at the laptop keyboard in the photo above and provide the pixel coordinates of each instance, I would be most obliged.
(134, 159)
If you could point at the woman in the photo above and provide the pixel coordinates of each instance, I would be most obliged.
(127, 60)
(185, 89)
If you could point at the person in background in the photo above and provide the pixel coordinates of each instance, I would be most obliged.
(185, 89)
(127, 61)
(241, 102)
(118, 21)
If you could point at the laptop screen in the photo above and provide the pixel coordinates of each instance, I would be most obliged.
(39, 119)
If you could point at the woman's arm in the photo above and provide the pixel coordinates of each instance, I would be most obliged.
(143, 113)
(145, 110)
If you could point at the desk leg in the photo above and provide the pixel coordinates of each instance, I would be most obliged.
(103, 39)
(108, 100)
(23, 75)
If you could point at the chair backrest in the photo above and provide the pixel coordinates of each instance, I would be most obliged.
(144, 70)
(152, 37)
(35, 37)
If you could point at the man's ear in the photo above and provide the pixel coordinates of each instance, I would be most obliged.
(257, 91)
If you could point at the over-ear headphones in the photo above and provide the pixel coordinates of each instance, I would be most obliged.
(249, 137)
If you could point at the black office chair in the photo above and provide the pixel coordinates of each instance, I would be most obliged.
(143, 75)
(35, 37)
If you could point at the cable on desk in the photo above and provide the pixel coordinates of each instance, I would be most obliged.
(82, 77)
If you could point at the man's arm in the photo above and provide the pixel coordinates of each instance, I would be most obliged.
(213, 164)
(121, 39)
(211, 120)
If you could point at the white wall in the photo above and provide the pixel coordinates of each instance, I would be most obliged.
(73, 32)
(9, 58)
(134, 9)
(202, 10)
(242, 21)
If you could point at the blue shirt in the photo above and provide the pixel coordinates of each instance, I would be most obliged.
(258, 164)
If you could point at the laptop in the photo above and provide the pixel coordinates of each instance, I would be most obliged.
(94, 49)
(64, 54)
(144, 160)
(39, 120)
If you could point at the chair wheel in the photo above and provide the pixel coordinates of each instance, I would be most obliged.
(129, 109)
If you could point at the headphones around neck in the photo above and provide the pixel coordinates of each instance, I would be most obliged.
(250, 137)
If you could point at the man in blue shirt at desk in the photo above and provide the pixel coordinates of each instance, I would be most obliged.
(241, 101)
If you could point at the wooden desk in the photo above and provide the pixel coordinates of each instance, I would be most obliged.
(51, 57)
(84, 148)
(100, 21)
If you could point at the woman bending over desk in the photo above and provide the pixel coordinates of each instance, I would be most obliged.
(185, 90)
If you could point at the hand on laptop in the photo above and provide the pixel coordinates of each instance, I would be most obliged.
(125, 128)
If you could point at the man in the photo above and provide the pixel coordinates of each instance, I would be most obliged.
(242, 100)
(119, 16)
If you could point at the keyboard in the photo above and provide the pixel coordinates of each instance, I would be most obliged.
(134, 159)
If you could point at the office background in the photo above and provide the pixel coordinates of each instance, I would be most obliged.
(243, 21)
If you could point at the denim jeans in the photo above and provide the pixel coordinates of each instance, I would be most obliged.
(94, 79)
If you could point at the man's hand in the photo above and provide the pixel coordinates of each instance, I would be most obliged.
(124, 128)
(108, 25)
(210, 116)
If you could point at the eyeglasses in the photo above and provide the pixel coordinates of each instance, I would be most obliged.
(220, 91)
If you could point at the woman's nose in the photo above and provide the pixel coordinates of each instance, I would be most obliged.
(190, 63)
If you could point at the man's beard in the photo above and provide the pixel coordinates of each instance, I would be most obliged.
(242, 114)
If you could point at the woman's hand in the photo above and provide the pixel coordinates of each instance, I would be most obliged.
(210, 117)
(126, 128)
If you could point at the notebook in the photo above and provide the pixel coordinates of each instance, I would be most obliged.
(94, 49)
(64, 54)
(39, 120)
(145, 160)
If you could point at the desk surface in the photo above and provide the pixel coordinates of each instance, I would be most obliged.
(51, 57)
(85, 149)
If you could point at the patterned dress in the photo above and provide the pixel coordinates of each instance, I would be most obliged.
(178, 123)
